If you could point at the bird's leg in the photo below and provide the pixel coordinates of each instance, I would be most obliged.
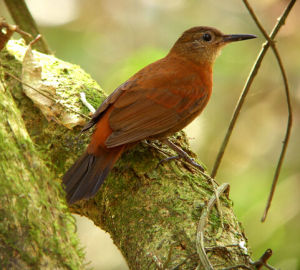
(168, 159)
(182, 154)
(164, 152)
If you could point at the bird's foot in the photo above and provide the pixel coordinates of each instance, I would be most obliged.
(181, 154)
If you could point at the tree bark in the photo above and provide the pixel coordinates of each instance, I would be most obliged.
(151, 210)
(36, 228)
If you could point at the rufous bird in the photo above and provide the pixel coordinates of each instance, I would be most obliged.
(159, 100)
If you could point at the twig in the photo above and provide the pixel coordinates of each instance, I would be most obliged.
(201, 225)
(7, 30)
(239, 266)
(263, 260)
(247, 86)
(35, 40)
(289, 107)
(26, 84)
(23, 18)
(16, 29)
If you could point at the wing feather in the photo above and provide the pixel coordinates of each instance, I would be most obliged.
(153, 103)
(112, 98)
(149, 115)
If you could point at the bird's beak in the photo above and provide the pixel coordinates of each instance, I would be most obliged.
(237, 37)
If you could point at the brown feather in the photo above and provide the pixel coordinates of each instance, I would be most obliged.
(87, 174)
(141, 112)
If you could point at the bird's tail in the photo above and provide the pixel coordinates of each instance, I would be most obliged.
(85, 177)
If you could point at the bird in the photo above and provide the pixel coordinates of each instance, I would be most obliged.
(157, 101)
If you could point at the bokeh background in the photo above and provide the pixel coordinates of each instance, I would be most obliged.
(112, 39)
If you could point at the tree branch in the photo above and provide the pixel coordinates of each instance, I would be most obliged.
(36, 229)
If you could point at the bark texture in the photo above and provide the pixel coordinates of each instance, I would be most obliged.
(36, 228)
(151, 211)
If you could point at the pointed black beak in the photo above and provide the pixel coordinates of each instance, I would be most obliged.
(237, 37)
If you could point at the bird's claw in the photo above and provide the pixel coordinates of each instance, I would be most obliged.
(194, 163)
(167, 159)
(184, 155)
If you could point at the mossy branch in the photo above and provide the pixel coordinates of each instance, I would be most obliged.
(150, 211)
(37, 230)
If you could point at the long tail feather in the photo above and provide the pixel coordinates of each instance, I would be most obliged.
(87, 174)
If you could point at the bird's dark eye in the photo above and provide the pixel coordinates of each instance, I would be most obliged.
(206, 37)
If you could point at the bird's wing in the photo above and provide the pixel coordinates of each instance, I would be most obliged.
(107, 102)
(153, 101)
(140, 112)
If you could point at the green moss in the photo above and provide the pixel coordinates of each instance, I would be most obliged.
(36, 230)
(59, 147)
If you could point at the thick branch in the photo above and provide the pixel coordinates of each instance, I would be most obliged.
(150, 211)
(36, 229)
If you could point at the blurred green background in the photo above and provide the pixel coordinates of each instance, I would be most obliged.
(112, 39)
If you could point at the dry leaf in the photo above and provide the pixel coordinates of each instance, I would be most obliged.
(43, 93)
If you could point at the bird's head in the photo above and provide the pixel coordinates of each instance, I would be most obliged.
(202, 43)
